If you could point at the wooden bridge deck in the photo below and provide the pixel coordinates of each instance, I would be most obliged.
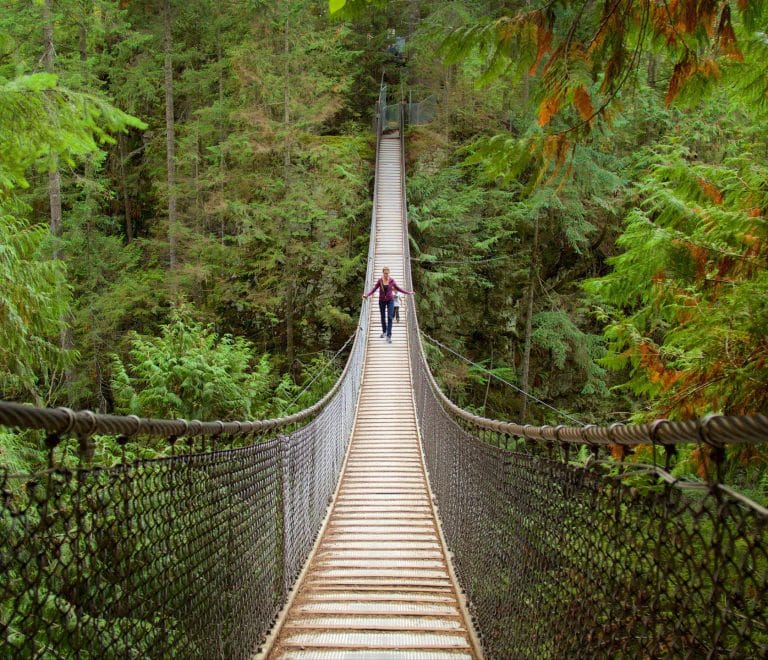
(379, 585)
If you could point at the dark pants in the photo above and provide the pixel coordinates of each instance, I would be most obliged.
(397, 313)
(386, 321)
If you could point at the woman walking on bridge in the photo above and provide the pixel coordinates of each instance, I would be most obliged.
(387, 287)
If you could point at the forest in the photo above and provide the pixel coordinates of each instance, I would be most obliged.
(185, 199)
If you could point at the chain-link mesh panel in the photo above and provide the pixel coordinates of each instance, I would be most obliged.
(388, 115)
(421, 112)
(187, 556)
(391, 116)
(190, 556)
(561, 560)
(155, 558)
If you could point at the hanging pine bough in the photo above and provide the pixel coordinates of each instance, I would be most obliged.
(584, 53)
(686, 298)
(578, 57)
(39, 120)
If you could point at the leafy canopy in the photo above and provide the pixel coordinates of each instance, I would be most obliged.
(577, 60)
(40, 123)
(33, 300)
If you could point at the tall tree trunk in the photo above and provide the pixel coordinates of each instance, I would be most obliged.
(290, 303)
(526, 90)
(286, 107)
(413, 17)
(54, 175)
(488, 383)
(196, 178)
(122, 157)
(170, 136)
(82, 40)
(222, 131)
(290, 284)
(653, 61)
(54, 184)
(533, 277)
(91, 206)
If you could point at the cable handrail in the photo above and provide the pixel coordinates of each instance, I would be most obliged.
(85, 423)
(193, 555)
(64, 420)
(715, 430)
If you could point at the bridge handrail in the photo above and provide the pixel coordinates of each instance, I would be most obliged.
(84, 422)
(713, 429)
(64, 420)
(594, 557)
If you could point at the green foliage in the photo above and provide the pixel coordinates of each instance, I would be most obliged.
(291, 397)
(189, 371)
(686, 297)
(352, 8)
(41, 121)
(32, 306)
(258, 197)
(570, 349)
(273, 174)
(16, 453)
(470, 239)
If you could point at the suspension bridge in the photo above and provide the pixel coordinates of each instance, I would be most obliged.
(382, 522)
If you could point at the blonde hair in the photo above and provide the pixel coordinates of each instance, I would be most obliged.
(385, 269)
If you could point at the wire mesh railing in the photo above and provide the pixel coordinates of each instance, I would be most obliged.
(604, 559)
(411, 112)
(421, 112)
(191, 555)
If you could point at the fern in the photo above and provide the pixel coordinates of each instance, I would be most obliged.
(33, 305)
(191, 372)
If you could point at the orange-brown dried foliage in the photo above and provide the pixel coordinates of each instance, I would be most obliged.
(683, 70)
(583, 103)
(710, 190)
(726, 37)
(701, 461)
(543, 40)
(549, 108)
(709, 68)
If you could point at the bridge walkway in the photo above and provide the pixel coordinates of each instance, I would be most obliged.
(379, 584)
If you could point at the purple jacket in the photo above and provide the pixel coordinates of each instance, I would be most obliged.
(389, 294)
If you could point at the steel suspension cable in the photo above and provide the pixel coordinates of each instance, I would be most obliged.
(499, 378)
(321, 370)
